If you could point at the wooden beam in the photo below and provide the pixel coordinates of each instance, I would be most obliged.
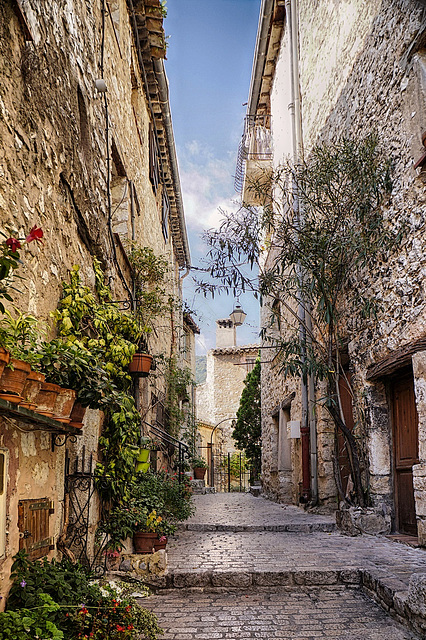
(396, 360)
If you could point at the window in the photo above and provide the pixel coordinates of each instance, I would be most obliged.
(154, 172)
(119, 194)
(250, 362)
(3, 484)
(165, 211)
(85, 143)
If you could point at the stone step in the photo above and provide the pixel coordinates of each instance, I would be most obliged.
(296, 527)
(405, 604)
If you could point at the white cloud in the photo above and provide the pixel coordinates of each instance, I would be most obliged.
(207, 186)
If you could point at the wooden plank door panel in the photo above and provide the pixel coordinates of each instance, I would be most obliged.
(33, 525)
(406, 443)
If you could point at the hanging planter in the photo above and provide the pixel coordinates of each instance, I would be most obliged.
(143, 455)
(142, 467)
(140, 365)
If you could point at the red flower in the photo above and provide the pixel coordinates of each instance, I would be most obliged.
(13, 244)
(35, 234)
(120, 628)
(130, 627)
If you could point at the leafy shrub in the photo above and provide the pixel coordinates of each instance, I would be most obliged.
(27, 624)
(73, 607)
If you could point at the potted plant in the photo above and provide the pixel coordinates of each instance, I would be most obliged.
(141, 363)
(152, 533)
(71, 365)
(19, 336)
(199, 466)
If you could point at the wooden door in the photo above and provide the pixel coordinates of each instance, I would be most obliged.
(33, 524)
(347, 410)
(406, 444)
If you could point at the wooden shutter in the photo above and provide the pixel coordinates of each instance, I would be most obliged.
(154, 174)
(33, 525)
(165, 215)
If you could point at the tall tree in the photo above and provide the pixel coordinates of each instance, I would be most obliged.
(315, 264)
(247, 427)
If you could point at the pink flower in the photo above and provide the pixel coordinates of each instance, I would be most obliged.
(35, 234)
(13, 244)
(163, 539)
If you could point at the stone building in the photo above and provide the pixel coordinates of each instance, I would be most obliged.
(87, 153)
(362, 67)
(218, 398)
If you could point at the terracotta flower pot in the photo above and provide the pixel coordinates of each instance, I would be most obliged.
(144, 542)
(199, 473)
(32, 386)
(77, 415)
(63, 405)
(140, 365)
(4, 359)
(46, 398)
(160, 544)
(13, 378)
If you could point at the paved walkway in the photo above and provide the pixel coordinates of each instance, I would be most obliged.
(244, 567)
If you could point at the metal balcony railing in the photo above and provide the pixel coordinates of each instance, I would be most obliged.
(255, 144)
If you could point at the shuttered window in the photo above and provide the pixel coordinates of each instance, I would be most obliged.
(154, 172)
(33, 524)
(165, 215)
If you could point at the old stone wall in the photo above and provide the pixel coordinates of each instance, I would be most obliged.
(362, 69)
(76, 163)
(218, 398)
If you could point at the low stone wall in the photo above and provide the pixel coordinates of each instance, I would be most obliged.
(144, 565)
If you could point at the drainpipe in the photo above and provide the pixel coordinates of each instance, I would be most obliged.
(308, 423)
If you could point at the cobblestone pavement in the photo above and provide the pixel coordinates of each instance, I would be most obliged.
(301, 614)
(266, 550)
(246, 567)
(233, 511)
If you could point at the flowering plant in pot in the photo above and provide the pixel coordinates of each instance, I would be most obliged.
(200, 467)
(152, 533)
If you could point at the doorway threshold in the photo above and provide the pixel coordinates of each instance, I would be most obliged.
(405, 538)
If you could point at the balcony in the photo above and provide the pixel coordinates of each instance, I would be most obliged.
(254, 165)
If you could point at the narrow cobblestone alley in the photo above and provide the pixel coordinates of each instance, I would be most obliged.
(244, 567)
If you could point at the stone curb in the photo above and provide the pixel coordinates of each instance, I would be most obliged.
(324, 527)
(248, 579)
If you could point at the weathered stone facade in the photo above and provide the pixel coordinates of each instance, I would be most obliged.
(94, 169)
(362, 69)
(218, 398)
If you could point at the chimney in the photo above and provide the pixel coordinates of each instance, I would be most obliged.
(225, 333)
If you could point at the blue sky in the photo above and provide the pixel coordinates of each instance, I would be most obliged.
(208, 65)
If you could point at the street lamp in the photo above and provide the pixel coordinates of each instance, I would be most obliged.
(238, 316)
